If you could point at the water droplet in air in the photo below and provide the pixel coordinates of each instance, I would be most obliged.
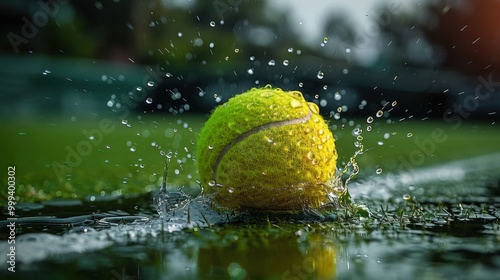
(210, 147)
(285, 62)
(369, 119)
(320, 75)
(394, 103)
(212, 23)
(406, 197)
(132, 149)
(301, 84)
(380, 113)
(149, 100)
(151, 84)
(325, 40)
(271, 62)
(198, 42)
(211, 183)
(250, 71)
(409, 135)
(378, 171)
(179, 34)
(290, 50)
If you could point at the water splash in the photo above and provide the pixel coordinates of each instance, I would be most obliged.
(180, 209)
(351, 168)
(165, 201)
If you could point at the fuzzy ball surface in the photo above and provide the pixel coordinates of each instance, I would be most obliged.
(267, 149)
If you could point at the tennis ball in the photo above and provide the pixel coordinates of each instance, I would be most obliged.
(266, 149)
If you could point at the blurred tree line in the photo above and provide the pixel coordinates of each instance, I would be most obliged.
(214, 41)
(460, 35)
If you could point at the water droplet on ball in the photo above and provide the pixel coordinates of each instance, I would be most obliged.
(295, 103)
(313, 107)
(267, 94)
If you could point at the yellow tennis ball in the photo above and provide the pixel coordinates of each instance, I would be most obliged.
(267, 149)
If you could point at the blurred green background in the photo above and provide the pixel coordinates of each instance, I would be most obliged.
(94, 94)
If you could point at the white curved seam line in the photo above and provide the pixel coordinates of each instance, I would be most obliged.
(253, 131)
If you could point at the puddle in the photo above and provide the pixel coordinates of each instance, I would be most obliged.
(450, 215)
